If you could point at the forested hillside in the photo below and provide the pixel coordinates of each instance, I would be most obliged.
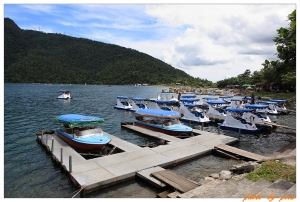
(37, 57)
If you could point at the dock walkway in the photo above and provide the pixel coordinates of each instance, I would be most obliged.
(104, 171)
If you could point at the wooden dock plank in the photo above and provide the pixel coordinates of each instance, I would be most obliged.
(278, 125)
(177, 181)
(240, 152)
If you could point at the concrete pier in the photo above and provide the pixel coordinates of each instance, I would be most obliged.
(96, 173)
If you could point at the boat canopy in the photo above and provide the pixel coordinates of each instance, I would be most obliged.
(217, 102)
(189, 99)
(165, 101)
(255, 106)
(194, 105)
(158, 113)
(267, 102)
(240, 110)
(64, 91)
(123, 97)
(188, 95)
(277, 100)
(225, 96)
(139, 98)
(209, 98)
(236, 99)
(77, 119)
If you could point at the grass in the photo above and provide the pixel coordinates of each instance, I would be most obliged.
(273, 170)
(283, 96)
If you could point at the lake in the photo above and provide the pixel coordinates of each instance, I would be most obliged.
(29, 171)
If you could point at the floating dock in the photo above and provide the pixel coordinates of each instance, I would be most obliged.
(100, 172)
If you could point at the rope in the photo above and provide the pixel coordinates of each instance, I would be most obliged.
(76, 192)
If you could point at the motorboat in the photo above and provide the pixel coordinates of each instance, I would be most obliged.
(123, 103)
(259, 113)
(193, 113)
(64, 94)
(216, 109)
(81, 132)
(271, 109)
(237, 123)
(138, 103)
(163, 121)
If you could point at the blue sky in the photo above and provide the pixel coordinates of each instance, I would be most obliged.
(209, 41)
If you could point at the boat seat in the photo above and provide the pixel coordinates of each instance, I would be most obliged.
(88, 132)
(69, 130)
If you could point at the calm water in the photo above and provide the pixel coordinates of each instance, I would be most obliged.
(29, 171)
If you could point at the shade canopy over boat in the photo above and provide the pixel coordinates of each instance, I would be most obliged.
(188, 95)
(123, 97)
(77, 119)
(158, 113)
(225, 96)
(236, 99)
(139, 99)
(165, 101)
(189, 99)
(239, 110)
(277, 100)
(195, 105)
(216, 102)
(267, 102)
(255, 106)
(209, 98)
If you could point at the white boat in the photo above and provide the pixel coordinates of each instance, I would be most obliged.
(138, 103)
(216, 109)
(65, 94)
(280, 106)
(260, 115)
(162, 121)
(193, 113)
(236, 123)
(206, 99)
(167, 96)
(123, 103)
(271, 109)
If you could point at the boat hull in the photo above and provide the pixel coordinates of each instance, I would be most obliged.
(163, 130)
(238, 129)
(78, 145)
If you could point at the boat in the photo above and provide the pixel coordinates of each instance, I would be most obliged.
(138, 103)
(216, 109)
(280, 106)
(208, 98)
(259, 113)
(236, 123)
(163, 121)
(271, 109)
(167, 96)
(193, 113)
(236, 103)
(80, 132)
(64, 94)
(123, 103)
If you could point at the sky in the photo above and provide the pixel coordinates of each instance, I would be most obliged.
(211, 41)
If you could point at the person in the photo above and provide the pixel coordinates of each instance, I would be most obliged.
(252, 99)
(179, 95)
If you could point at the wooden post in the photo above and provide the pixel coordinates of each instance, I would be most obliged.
(202, 125)
(46, 140)
(219, 129)
(52, 147)
(70, 164)
(61, 155)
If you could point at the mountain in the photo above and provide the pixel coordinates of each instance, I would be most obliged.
(36, 57)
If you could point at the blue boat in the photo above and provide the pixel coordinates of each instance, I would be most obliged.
(236, 123)
(188, 96)
(163, 121)
(280, 106)
(259, 113)
(123, 103)
(64, 94)
(80, 132)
